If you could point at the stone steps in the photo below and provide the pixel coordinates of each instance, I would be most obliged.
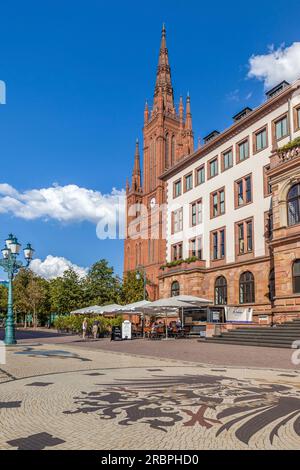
(281, 336)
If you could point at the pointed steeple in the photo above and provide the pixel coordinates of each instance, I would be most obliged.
(146, 113)
(188, 120)
(188, 127)
(136, 174)
(181, 112)
(163, 92)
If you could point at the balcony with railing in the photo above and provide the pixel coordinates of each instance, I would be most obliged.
(286, 154)
(187, 264)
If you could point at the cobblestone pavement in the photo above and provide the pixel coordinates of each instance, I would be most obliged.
(64, 397)
(188, 350)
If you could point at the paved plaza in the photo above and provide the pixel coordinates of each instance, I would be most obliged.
(57, 395)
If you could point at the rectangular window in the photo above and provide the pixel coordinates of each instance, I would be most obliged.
(200, 175)
(222, 243)
(188, 182)
(249, 235)
(177, 220)
(261, 140)
(196, 213)
(227, 160)
(241, 239)
(193, 249)
(177, 188)
(248, 189)
(298, 118)
(244, 234)
(240, 190)
(218, 244)
(217, 203)
(196, 247)
(243, 150)
(243, 191)
(281, 128)
(177, 251)
(213, 167)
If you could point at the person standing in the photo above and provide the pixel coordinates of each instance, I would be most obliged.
(84, 328)
(95, 329)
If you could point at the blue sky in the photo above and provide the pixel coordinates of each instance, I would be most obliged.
(77, 76)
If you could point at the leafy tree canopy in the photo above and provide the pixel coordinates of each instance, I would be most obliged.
(132, 288)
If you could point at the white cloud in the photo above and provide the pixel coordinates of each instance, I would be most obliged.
(55, 266)
(277, 65)
(68, 203)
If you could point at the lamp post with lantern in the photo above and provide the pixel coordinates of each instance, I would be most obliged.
(11, 265)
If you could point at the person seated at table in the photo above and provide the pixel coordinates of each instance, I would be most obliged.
(178, 323)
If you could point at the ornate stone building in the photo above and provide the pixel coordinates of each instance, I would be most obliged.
(230, 229)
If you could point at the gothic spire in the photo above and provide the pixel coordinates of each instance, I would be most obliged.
(188, 126)
(163, 86)
(181, 112)
(136, 174)
(188, 120)
(146, 113)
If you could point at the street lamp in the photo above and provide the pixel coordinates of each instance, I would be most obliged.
(11, 265)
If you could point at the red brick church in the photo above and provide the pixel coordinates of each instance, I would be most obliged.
(168, 136)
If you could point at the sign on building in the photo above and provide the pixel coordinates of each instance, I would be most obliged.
(238, 314)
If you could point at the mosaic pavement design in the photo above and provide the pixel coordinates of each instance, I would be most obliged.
(104, 400)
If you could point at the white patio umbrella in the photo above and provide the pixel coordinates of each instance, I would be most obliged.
(135, 305)
(97, 309)
(82, 311)
(111, 308)
(192, 299)
(166, 305)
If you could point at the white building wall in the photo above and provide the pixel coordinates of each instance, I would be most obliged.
(254, 164)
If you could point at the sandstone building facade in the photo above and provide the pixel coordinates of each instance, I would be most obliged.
(231, 228)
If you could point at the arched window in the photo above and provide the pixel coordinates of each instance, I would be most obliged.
(296, 276)
(175, 288)
(173, 150)
(167, 151)
(152, 169)
(221, 291)
(272, 285)
(247, 288)
(293, 205)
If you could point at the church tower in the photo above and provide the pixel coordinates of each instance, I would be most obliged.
(168, 137)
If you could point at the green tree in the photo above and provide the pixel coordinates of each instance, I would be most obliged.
(132, 288)
(67, 292)
(38, 298)
(102, 286)
(31, 295)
